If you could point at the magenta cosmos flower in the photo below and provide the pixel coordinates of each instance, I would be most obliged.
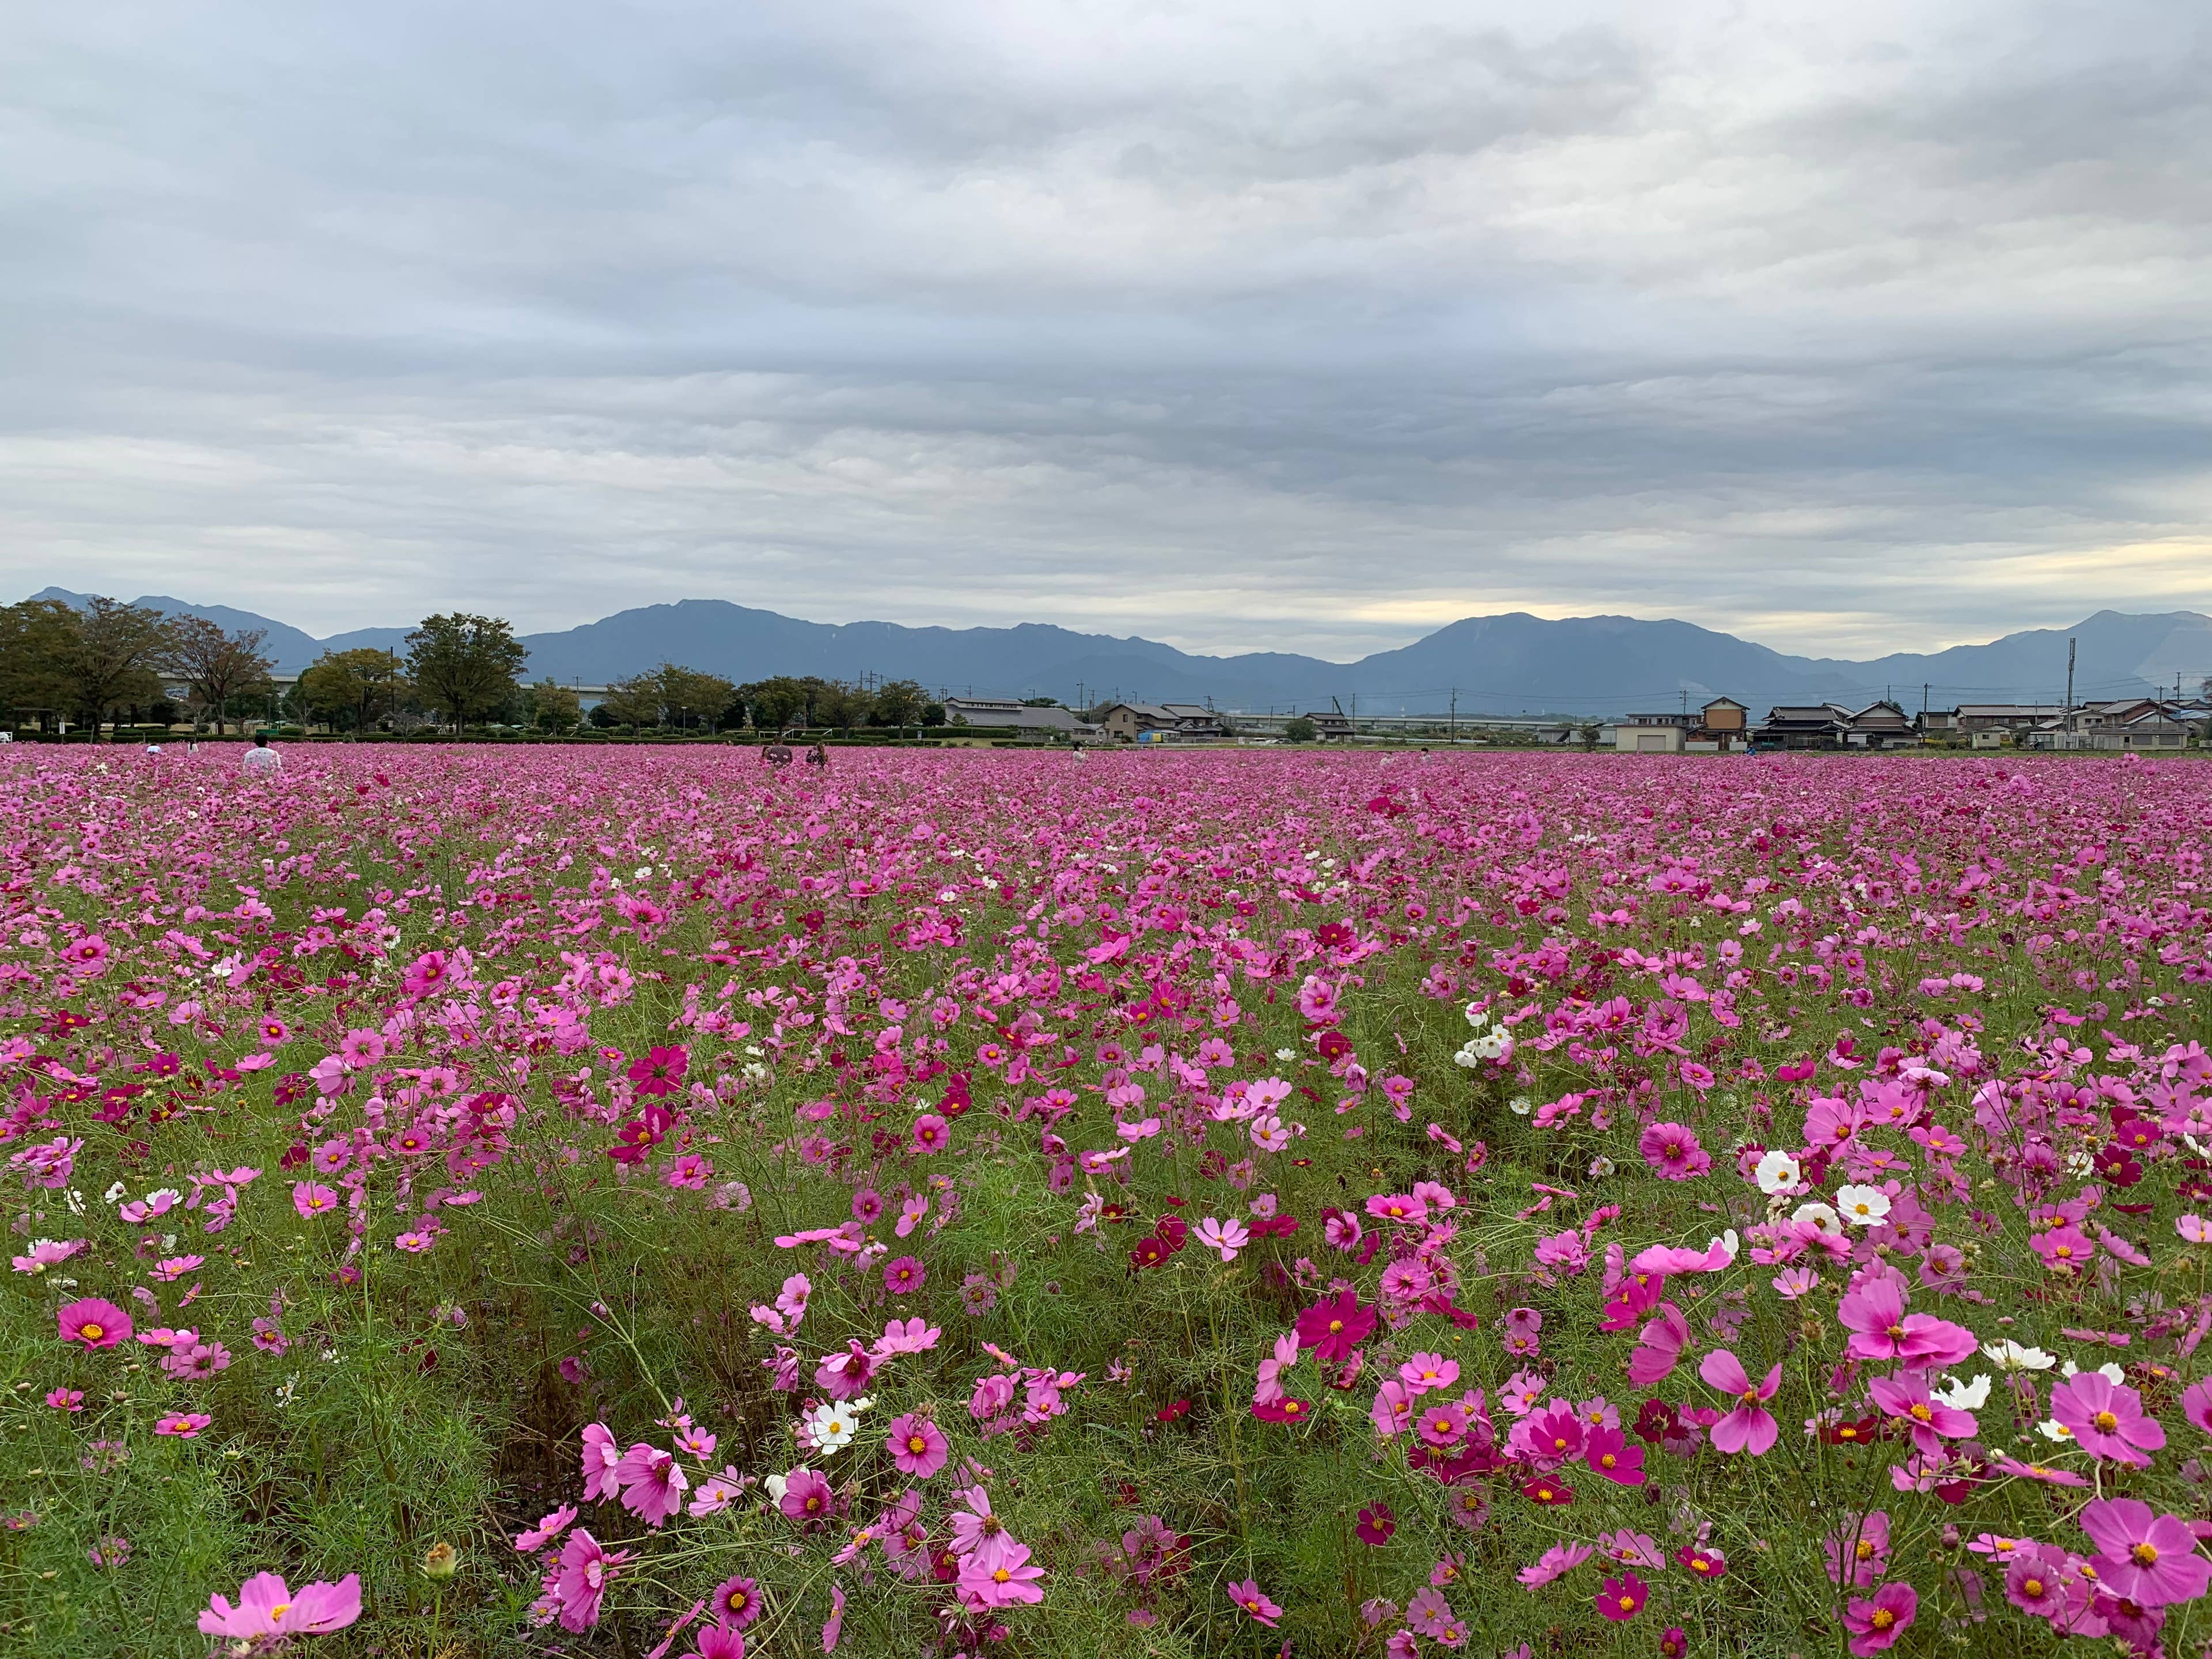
(1622, 1599)
(266, 1606)
(1673, 1151)
(1749, 1427)
(1875, 1622)
(1248, 1595)
(735, 1602)
(2149, 1560)
(311, 1198)
(807, 1497)
(93, 1322)
(903, 1275)
(2105, 1418)
(1334, 1327)
(917, 1446)
(1875, 1315)
(661, 1073)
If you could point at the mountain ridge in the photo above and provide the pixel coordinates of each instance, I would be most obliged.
(1507, 663)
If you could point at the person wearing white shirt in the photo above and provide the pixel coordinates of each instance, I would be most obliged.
(261, 759)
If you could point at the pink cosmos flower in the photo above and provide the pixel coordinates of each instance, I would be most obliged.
(2196, 1404)
(93, 1323)
(185, 1426)
(1607, 1451)
(1441, 1423)
(548, 1528)
(1673, 1151)
(1859, 1553)
(1227, 1236)
(2106, 1418)
(1874, 1312)
(1876, 1622)
(1659, 1346)
(1906, 1397)
(1749, 1426)
(1002, 1581)
(903, 1275)
(916, 1336)
(1556, 1562)
(586, 1568)
(653, 1483)
(602, 1458)
(931, 1133)
(977, 1534)
(1248, 1595)
(1269, 1386)
(312, 1199)
(807, 1497)
(2149, 1560)
(267, 1606)
(918, 1446)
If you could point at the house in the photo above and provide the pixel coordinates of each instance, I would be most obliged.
(1195, 720)
(1879, 725)
(1329, 726)
(1805, 725)
(2004, 717)
(1721, 724)
(1724, 720)
(1005, 712)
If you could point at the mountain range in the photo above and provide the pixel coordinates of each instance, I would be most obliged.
(1511, 663)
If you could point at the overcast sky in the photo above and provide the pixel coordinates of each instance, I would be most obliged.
(1278, 324)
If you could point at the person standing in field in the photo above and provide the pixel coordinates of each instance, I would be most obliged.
(262, 761)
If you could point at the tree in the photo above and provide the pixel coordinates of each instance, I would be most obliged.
(633, 701)
(900, 702)
(112, 659)
(464, 665)
(217, 665)
(689, 694)
(365, 684)
(1299, 729)
(554, 707)
(36, 639)
(1588, 732)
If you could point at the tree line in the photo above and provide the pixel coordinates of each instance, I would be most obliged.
(108, 661)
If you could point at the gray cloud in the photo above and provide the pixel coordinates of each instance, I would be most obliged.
(1233, 325)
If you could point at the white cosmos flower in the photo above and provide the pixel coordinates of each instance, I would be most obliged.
(2109, 1370)
(832, 1426)
(1862, 1206)
(1965, 1396)
(1477, 1015)
(1778, 1172)
(2054, 1429)
(2010, 1356)
(1819, 1215)
(1286, 1054)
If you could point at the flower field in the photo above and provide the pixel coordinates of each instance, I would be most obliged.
(1155, 1205)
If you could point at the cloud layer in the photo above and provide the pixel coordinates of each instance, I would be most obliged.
(1237, 325)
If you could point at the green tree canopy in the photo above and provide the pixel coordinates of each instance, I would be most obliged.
(464, 665)
(354, 687)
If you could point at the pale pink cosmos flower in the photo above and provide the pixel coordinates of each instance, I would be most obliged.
(1749, 1426)
(267, 1606)
(1226, 1236)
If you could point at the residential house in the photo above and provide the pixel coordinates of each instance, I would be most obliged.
(1195, 720)
(1831, 726)
(1331, 725)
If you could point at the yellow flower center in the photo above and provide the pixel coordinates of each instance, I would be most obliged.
(2146, 1554)
(1883, 1619)
(2107, 1421)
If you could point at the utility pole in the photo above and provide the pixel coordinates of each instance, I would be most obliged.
(1454, 711)
(2069, 685)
